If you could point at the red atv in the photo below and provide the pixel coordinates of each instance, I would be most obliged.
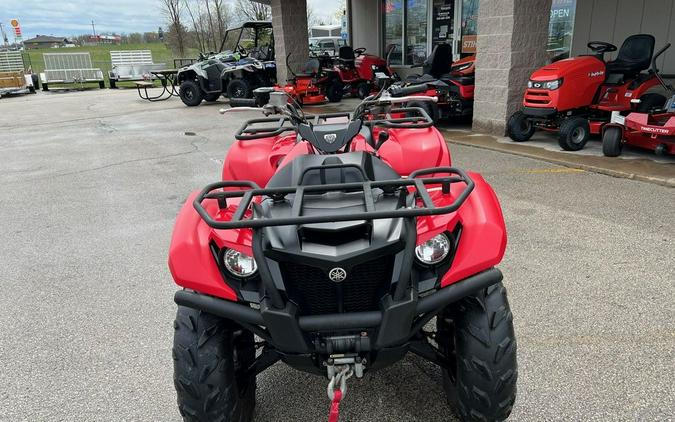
(353, 73)
(575, 97)
(361, 235)
(452, 83)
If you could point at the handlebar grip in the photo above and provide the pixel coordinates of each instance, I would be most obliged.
(243, 102)
(413, 89)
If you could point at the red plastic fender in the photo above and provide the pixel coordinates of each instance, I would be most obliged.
(408, 150)
(483, 239)
(257, 159)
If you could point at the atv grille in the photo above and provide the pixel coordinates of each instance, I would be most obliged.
(315, 294)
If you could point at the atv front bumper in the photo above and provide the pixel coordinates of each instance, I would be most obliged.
(392, 326)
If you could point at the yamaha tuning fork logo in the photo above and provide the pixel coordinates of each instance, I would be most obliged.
(337, 275)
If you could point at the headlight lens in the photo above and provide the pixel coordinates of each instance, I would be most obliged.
(239, 264)
(550, 85)
(460, 67)
(433, 250)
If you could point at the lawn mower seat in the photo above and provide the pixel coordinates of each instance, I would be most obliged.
(346, 56)
(635, 55)
(439, 62)
(311, 68)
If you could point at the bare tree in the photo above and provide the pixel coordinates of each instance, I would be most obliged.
(172, 9)
(253, 11)
(197, 24)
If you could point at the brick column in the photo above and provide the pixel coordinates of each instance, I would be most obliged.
(289, 19)
(512, 36)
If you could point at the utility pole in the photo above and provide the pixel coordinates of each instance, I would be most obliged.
(93, 29)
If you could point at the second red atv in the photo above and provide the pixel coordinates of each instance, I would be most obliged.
(332, 243)
(575, 97)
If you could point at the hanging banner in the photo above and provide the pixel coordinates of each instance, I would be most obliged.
(17, 29)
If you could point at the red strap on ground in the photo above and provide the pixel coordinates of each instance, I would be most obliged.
(334, 413)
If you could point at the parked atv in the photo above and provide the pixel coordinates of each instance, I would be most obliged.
(361, 235)
(575, 97)
(352, 73)
(246, 62)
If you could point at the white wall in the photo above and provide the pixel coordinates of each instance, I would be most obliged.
(366, 24)
(614, 20)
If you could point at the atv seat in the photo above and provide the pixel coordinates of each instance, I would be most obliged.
(634, 56)
(305, 170)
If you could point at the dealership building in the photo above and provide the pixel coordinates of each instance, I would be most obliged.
(510, 38)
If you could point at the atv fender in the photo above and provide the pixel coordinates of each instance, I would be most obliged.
(482, 240)
(256, 160)
(409, 150)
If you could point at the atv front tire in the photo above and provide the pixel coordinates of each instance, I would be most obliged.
(211, 97)
(574, 133)
(191, 93)
(210, 355)
(477, 337)
(363, 90)
(239, 88)
(430, 108)
(520, 127)
(611, 141)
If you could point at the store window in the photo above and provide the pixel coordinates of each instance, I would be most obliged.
(560, 28)
(469, 26)
(405, 27)
(443, 21)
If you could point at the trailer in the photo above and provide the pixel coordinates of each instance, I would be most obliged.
(69, 68)
(13, 77)
(132, 65)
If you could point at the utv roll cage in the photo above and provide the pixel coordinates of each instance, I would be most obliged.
(257, 26)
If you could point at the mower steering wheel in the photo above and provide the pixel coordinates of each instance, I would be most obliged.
(601, 47)
(359, 51)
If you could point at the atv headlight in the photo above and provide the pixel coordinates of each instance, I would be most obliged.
(239, 264)
(433, 250)
(460, 67)
(550, 85)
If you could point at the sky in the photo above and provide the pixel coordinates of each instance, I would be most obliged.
(73, 17)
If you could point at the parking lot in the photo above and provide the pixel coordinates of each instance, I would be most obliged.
(91, 183)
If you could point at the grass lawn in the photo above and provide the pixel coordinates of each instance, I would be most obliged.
(100, 55)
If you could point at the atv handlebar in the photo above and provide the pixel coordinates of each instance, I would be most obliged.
(396, 91)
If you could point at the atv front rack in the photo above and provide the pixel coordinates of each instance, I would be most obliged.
(408, 204)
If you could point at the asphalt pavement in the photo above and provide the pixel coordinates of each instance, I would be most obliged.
(90, 184)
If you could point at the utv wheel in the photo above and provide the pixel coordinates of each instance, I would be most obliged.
(335, 91)
(239, 88)
(574, 133)
(190, 93)
(520, 127)
(363, 90)
(430, 108)
(477, 335)
(611, 141)
(209, 356)
(209, 98)
(649, 102)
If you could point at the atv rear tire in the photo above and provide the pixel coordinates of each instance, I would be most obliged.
(239, 88)
(335, 91)
(520, 127)
(191, 93)
(650, 102)
(478, 337)
(211, 97)
(209, 356)
(574, 133)
(430, 108)
(611, 141)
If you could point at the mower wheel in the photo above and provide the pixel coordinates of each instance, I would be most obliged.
(239, 88)
(211, 97)
(191, 93)
(520, 127)
(430, 108)
(611, 141)
(335, 91)
(476, 335)
(210, 356)
(363, 89)
(649, 102)
(574, 133)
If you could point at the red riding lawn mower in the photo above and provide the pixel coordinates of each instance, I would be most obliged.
(576, 97)
(654, 131)
(337, 243)
(309, 86)
(452, 83)
(353, 73)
